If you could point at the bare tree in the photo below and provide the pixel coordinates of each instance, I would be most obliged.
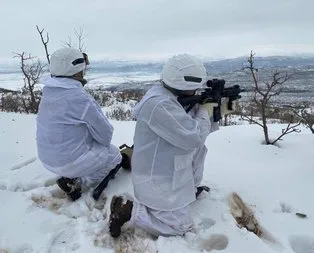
(68, 43)
(11, 102)
(119, 113)
(263, 93)
(44, 42)
(308, 120)
(32, 70)
(305, 113)
(79, 44)
(79, 38)
(247, 111)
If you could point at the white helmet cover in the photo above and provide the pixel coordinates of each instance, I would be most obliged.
(66, 62)
(184, 72)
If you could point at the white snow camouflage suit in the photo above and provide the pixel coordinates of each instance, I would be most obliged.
(73, 135)
(167, 161)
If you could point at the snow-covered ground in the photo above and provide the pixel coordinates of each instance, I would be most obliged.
(14, 81)
(96, 80)
(276, 182)
(11, 81)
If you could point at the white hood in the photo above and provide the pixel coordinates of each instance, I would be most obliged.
(153, 92)
(60, 82)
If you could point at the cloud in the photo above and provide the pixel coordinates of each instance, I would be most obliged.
(212, 28)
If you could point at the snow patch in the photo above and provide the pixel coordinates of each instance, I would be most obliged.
(302, 243)
(56, 201)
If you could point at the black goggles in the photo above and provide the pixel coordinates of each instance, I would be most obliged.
(193, 79)
(81, 60)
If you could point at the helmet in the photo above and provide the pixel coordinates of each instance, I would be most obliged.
(184, 72)
(67, 62)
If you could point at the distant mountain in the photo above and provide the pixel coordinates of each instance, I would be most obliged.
(299, 88)
(270, 62)
(214, 67)
(121, 75)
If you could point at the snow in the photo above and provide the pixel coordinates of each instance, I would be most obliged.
(11, 81)
(96, 80)
(276, 182)
(14, 80)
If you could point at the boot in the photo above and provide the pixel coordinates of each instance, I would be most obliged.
(126, 153)
(120, 214)
(116, 203)
(200, 189)
(71, 186)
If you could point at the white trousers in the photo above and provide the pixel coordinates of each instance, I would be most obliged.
(91, 167)
(169, 223)
(166, 223)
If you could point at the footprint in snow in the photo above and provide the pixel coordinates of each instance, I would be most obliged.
(204, 224)
(212, 242)
(284, 208)
(132, 240)
(302, 243)
(64, 240)
(25, 248)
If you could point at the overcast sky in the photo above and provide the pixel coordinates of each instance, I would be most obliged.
(159, 28)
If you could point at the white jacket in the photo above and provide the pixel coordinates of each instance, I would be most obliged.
(69, 123)
(165, 140)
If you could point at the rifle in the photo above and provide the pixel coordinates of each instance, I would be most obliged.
(213, 94)
(103, 184)
(111, 175)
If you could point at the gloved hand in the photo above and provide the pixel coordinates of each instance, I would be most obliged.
(208, 107)
(224, 107)
(126, 153)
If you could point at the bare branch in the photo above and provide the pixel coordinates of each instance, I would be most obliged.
(32, 71)
(288, 130)
(263, 92)
(68, 43)
(80, 40)
(305, 114)
(44, 42)
(250, 119)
